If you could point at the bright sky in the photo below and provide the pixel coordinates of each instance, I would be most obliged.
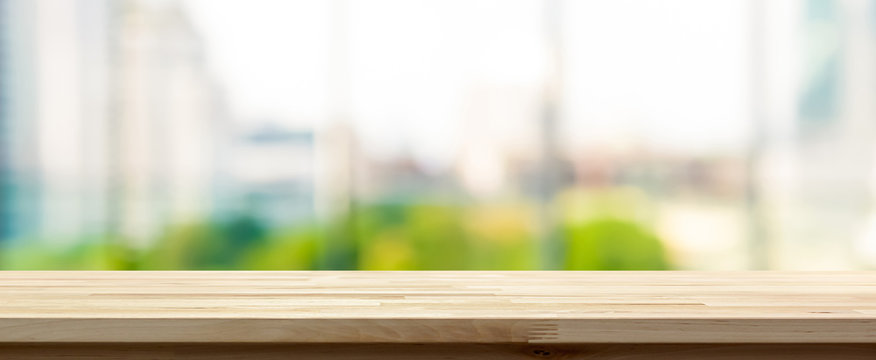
(672, 73)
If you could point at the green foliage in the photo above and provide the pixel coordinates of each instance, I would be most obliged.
(205, 246)
(339, 250)
(502, 237)
(181, 247)
(409, 235)
(611, 244)
(86, 255)
(412, 237)
(294, 249)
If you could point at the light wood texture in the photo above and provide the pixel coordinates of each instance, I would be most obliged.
(438, 351)
(437, 307)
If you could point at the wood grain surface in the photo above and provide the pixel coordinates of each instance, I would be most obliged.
(438, 307)
(141, 351)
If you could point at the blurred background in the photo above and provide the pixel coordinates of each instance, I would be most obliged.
(438, 134)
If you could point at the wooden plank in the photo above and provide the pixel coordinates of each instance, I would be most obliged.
(438, 330)
(438, 307)
(438, 351)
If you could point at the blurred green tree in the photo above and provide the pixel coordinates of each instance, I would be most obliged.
(205, 246)
(610, 244)
(291, 249)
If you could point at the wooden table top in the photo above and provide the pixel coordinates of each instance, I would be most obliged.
(439, 307)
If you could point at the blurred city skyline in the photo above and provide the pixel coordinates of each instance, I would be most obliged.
(737, 133)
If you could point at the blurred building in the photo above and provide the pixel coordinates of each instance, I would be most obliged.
(819, 165)
(339, 163)
(835, 133)
(106, 117)
(273, 175)
(70, 117)
(7, 170)
(12, 29)
(162, 137)
(49, 51)
(501, 141)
